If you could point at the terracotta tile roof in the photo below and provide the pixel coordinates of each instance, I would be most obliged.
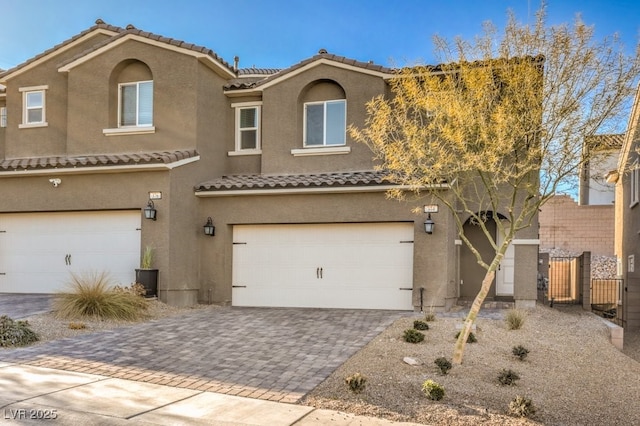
(257, 71)
(130, 29)
(100, 24)
(96, 160)
(605, 142)
(314, 180)
(322, 54)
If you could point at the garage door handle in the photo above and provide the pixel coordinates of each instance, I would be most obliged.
(67, 260)
(317, 273)
(320, 273)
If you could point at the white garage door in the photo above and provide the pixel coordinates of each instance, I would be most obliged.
(362, 266)
(39, 250)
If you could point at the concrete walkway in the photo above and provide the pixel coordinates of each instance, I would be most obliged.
(36, 395)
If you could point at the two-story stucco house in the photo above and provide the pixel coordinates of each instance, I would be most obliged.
(117, 119)
(627, 215)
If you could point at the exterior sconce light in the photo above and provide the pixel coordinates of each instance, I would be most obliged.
(150, 211)
(209, 229)
(429, 225)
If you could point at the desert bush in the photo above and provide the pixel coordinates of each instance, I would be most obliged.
(433, 390)
(521, 407)
(520, 351)
(356, 382)
(444, 365)
(515, 319)
(413, 336)
(91, 295)
(508, 377)
(420, 325)
(15, 333)
(470, 339)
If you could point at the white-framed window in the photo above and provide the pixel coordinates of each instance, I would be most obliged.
(634, 184)
(34, 106)
(3, 116)
(135, 102)
(325, 123)
(247, 128)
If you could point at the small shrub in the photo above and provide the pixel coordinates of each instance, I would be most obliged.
(443, 364)
(135, 288)
(413, 336)
(433, 390)
(520, 351)
(521, 407)
(77, 325)
(356, 382)
(515, 319)
(420, 325)
(15, 333)
(508, 377)
(471, 339)
(91, 295)
(430, 316)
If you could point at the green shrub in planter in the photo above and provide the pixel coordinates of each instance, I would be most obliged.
(420, 325)
(471, 339)
(508, 377)
(443, 364)
(15, 333)
(356, 382)
(520, 351)
(521, 407)
(433, 390)
(413, 336)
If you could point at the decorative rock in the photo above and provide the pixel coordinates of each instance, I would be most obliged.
(411, 361)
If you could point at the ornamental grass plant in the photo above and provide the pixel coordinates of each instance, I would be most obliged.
(92, 295)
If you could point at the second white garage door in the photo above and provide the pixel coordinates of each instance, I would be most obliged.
(361, 266)
(38, 251)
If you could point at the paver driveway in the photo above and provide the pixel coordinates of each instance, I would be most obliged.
(268, 353)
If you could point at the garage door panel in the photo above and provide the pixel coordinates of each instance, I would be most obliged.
(39, 251)
(330, 265)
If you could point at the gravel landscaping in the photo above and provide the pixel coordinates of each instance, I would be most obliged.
(572, 374)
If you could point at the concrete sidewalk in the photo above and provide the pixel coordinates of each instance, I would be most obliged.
(30, 395)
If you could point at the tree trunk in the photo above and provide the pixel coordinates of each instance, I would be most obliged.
(458, 352)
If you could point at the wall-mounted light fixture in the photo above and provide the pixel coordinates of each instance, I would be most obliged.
(209, 228)
(429, 225)
(55, 182)
(150, 211)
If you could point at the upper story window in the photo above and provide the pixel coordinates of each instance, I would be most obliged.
(136, 104)
(325, 123)
(247, 129)
(3, 116)
(33, 106)
(131, 102)
(635, 184)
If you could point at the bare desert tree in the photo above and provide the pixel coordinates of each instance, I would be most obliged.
(501, 124)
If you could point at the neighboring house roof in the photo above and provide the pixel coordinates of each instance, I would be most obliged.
(605, 142)
(167, 159)
(312, 180)
(100, 26)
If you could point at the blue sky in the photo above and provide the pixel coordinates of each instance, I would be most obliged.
(277, 34)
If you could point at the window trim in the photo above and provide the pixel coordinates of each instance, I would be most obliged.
(238, 150)
(3, 116)
(25, 109)
(137, 125)
(324, 124)
(634, 186)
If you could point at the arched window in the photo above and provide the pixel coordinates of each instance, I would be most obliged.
(325, 114)
(131, 93)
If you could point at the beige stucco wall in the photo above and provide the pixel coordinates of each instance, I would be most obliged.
(434, 255)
